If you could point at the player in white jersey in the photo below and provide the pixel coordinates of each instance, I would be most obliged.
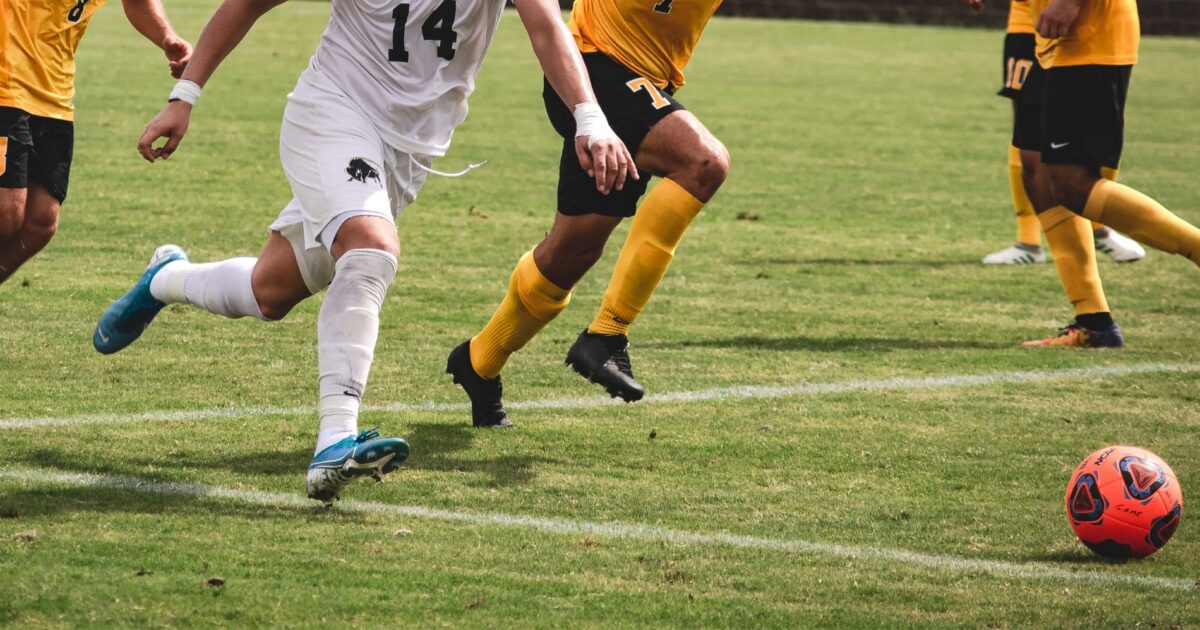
(378, 102)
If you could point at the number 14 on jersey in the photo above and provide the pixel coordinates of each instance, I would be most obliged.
(438, 27)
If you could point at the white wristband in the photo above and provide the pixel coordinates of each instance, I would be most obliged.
(591, 122)
(186, 91)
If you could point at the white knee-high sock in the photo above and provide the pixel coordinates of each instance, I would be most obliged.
(347, 328)
(221, 287)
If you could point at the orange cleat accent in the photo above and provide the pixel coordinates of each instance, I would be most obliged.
(1076, 336)
(1069, 337)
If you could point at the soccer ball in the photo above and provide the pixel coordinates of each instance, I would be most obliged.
(1124, 502)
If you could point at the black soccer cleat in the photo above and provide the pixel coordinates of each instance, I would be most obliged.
(487, 408)
(604, 359)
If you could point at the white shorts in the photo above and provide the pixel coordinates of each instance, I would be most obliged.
(338, 168)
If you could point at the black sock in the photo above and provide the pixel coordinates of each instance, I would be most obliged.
(1095, 321)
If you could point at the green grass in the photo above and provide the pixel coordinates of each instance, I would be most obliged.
(874, 157)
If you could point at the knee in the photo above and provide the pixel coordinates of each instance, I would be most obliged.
(366, 232)
(39, 227)
(709, 170)
(274, 293)
(273, 308)
(384, 242)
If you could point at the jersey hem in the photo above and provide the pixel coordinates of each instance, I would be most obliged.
(24, 106)
(1112, 60)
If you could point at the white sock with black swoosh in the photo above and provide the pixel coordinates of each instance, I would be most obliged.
(347, 329)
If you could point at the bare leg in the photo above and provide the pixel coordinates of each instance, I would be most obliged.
(276, 279)
(39, 223)
(572, 246)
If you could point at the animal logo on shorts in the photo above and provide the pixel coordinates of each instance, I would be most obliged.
(360, 171)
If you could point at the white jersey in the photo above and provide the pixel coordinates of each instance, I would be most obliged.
(408, 64)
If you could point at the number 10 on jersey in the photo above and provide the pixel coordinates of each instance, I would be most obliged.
(438, 27)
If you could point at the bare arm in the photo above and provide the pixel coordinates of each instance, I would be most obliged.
(556, 51)
(149, 18)
(604, 158)
(223, 33)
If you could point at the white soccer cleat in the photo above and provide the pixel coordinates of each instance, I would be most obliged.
(1119, 247)
(1016, 254)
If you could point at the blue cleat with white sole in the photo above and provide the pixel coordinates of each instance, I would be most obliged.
(126, 318)
(366, 455)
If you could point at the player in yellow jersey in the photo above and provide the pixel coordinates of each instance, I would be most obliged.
(1022, 83)
(38, 40)
(635, 52)
(1089, 48)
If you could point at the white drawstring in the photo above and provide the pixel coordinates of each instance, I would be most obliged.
(470, 167)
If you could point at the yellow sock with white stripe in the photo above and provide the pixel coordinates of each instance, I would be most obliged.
(657, 228)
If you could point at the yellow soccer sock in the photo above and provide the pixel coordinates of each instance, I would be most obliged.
(1070, 239)
(1029, 230)
(657, 228)
(1111, 175)
(531, 303)
(1123, 208)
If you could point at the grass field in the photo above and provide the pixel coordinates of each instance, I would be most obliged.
(874, 160)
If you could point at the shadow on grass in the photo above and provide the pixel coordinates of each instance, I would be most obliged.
(828, 344)
(153, 465)
(439, 447)
(52, 499)
(436, 446)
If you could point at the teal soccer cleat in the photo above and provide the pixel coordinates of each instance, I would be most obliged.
(126, 318)
(364, 456)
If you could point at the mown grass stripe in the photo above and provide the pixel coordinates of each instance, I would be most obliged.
(720, 393)
(626, 531)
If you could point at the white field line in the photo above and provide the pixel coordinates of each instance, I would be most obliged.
(722, 393)
(626, 531)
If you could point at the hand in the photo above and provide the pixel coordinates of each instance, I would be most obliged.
(171, 123)
(178, 52)
(608, 161)
(1057, 18)
(975, 4)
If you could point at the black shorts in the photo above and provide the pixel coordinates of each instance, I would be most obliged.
(35, 149)
(1083, 115)
(1020, 72)
(1027, 112)
(632, 105)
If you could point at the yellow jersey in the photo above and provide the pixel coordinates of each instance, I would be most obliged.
(1106, 33)
(38, 39)
(1019, 21)
(654, 38)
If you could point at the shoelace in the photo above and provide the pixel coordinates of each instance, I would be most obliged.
(369, 434)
